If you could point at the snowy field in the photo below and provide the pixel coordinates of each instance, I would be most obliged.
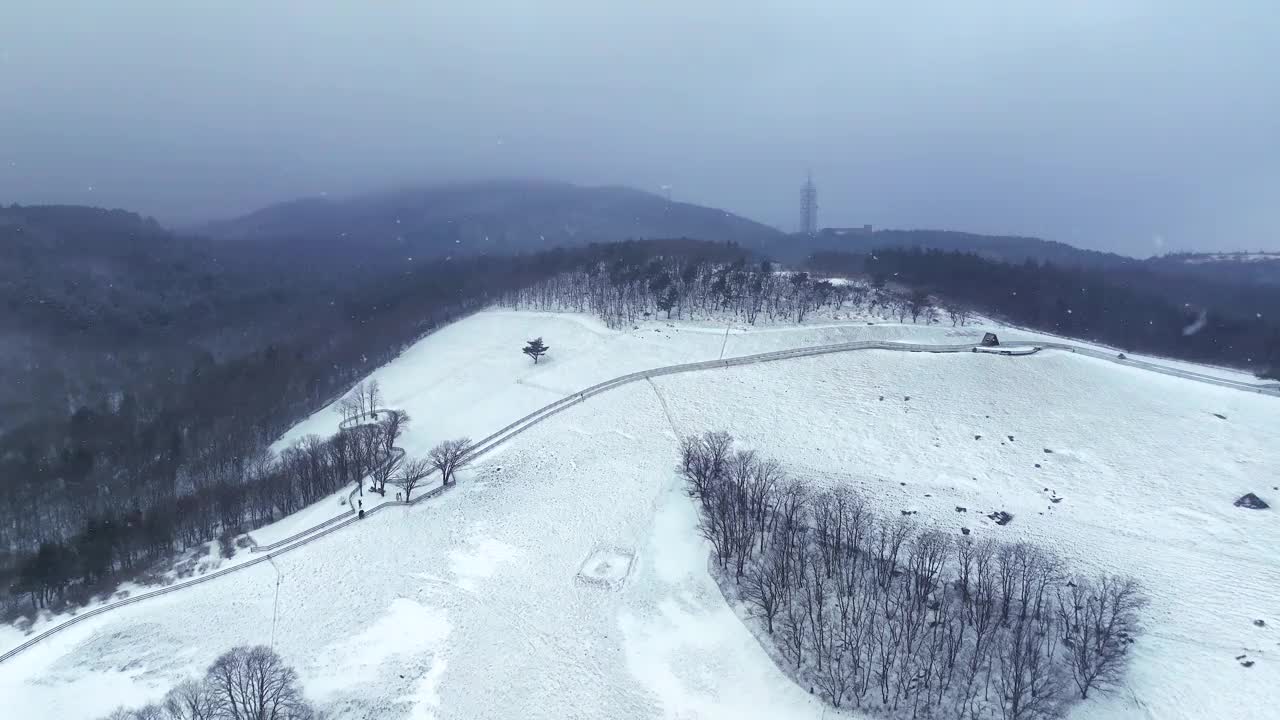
(564, 578)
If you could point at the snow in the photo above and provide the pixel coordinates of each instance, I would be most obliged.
(193, 563)
(1240, 376)
(470, 379)
(1146, 472)
(330, 507)
(469, 605)
(1009, 350)
(481, 560)
(408, 629)
(607, 567)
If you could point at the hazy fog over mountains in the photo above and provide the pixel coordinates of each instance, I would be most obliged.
(1126, 125)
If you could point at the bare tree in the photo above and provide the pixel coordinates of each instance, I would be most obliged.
(721, 513)
(410, 474)
(816, 587)
(381, 473)
(741, 477)
(450, 456)
(918, 303)
(762, 494)
(980, 596)
(854, 608)
(372, 397)
(393, 424)
(351, 406)
(838, 670)
(892, 535)
(152, 711)
(703, 459)
(366, 451)
(342, 457)
(190, 700)
(1028, 686)
(899, 306)
(958, 314)
(826, 535)
(358, 400)
(794, 623)
(1099, 622)
(253, 683)
(764, 586)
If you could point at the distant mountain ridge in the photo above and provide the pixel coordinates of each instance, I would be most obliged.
(90, 298)
(507, 216)
(1256, 268)
(1005, 248)
(372, 231)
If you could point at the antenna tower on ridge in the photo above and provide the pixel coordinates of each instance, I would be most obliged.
(809, 207)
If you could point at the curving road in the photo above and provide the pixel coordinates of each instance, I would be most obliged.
(510, 431)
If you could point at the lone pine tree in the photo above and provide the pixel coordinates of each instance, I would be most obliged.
(535, 349)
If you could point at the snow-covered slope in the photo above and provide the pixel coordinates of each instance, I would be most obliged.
(471, 605)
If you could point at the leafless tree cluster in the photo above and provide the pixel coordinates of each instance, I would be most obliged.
(883, 615)
(245, 683)
(680, 287)
(361, 403)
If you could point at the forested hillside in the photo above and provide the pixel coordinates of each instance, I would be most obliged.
(1006, 248)
(1256, 268)
(1196, 320)
(95, 300)
(97, 492)
(484, 217)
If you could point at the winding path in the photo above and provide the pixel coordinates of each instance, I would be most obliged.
(483, 446)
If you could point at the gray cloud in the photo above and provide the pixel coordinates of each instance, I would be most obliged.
(1120, 124)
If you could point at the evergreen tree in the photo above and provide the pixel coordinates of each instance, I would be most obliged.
(668, 301)
(535, 349)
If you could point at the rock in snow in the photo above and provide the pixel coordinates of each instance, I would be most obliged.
(1001, 517)
(1252, 502)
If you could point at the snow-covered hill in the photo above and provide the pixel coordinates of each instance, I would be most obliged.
(564, 578)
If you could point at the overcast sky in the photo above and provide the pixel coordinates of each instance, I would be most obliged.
(1117, 124)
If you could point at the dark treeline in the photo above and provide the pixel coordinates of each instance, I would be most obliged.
(886, 616)
(97, 493)
(724, 284)
(232, 495)
(1133, 310)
